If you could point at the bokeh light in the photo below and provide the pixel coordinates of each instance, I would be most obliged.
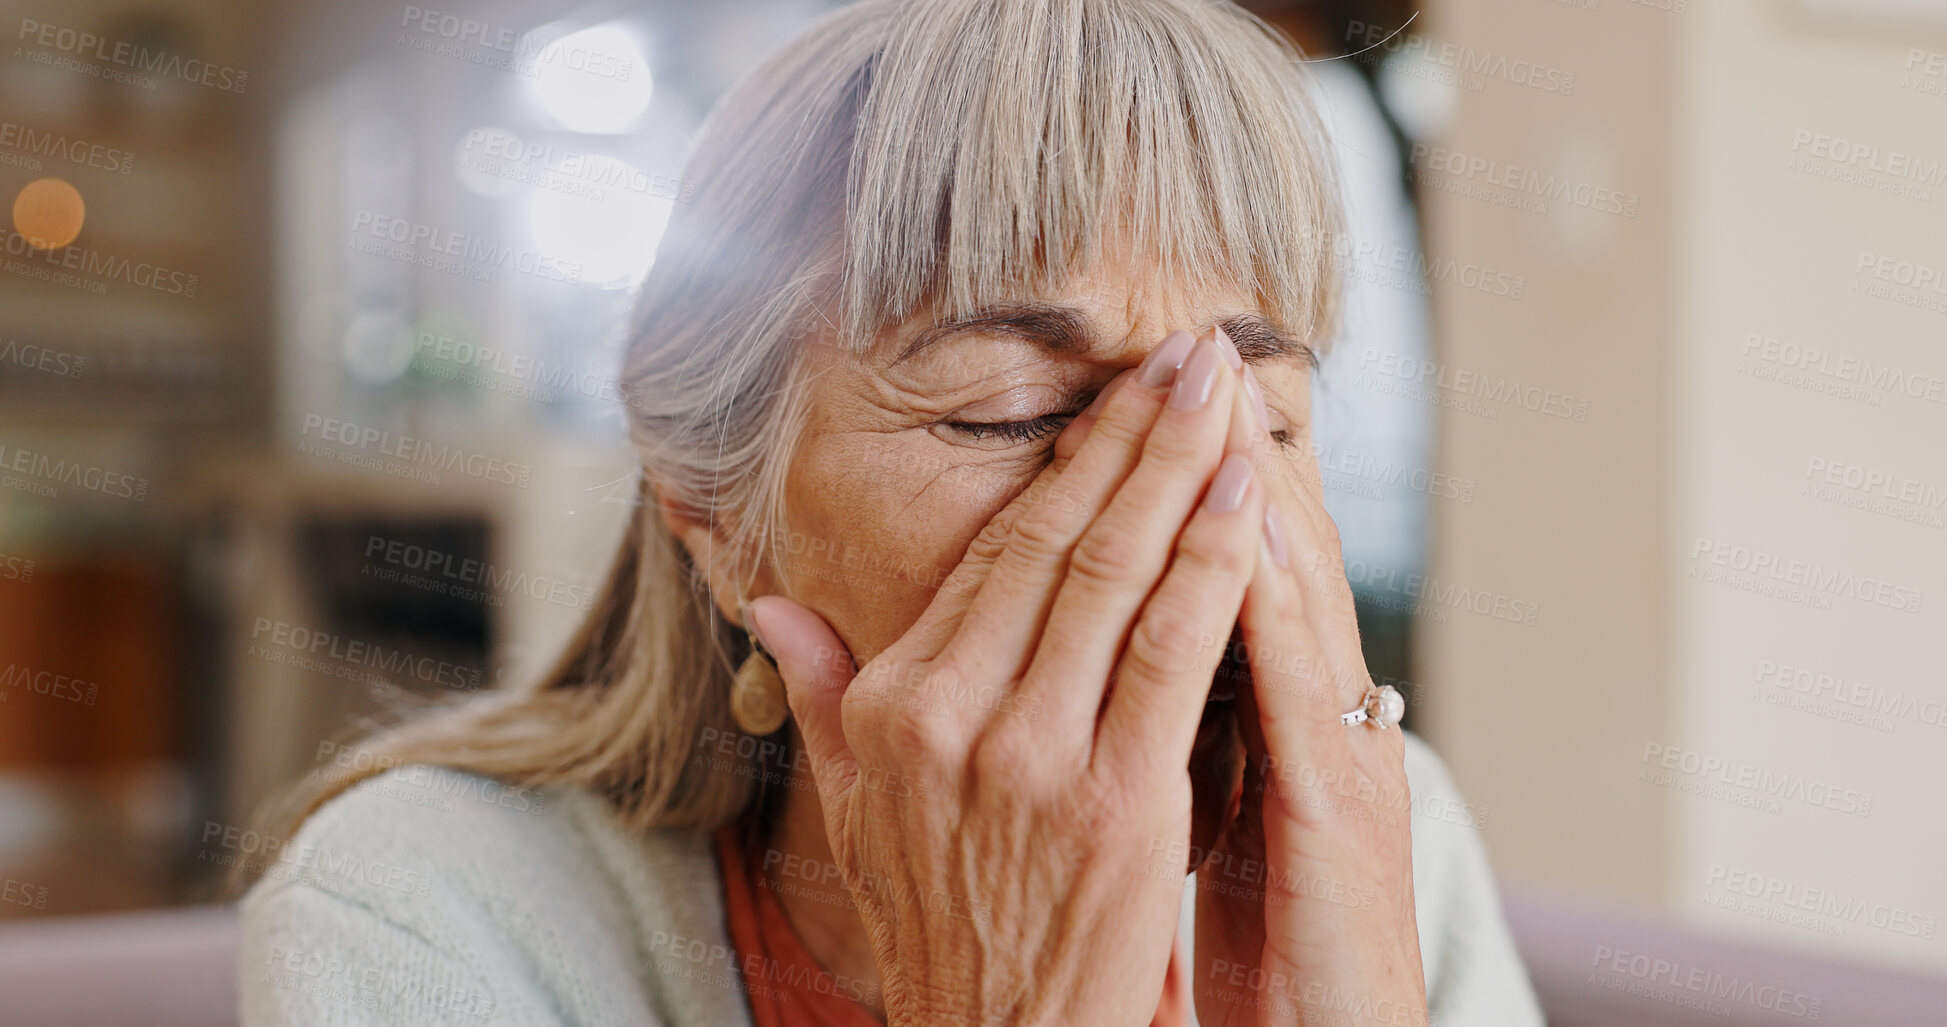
(612, 231)
(49, 213)
(592, 80)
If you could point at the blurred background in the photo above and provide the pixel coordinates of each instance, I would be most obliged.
(1634, 430)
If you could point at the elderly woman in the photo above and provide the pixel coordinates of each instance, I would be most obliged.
(980, 623)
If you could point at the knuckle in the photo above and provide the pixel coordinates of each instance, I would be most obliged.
(914, 736)
(1165, 646)
(1106, 553)
(860, 709)
(1041, 532)
(1100, 810)
(988, 545)
(1005, 755)
(894, 712)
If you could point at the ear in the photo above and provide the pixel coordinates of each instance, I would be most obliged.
(714, 552)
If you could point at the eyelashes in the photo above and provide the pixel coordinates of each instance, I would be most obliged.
(1044, 427)
(1012, 432)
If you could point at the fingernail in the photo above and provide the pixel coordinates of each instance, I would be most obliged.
(1231, 356)
(1227, 489)
(755, 621)
(1101, 402)
(1159, 367)
(1256, 392)
(1274, 538)
(1198, 377)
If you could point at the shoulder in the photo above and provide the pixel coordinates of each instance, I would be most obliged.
(1474, 975)
(528, 901)
(421, 822)
(421, 835)
(419, 829)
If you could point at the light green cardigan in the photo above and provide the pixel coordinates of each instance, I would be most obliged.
(428, 897)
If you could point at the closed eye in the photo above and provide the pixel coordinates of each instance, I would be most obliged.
(1011, 432)
(1024, 432)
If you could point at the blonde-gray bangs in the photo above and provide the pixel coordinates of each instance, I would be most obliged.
(1000, 146)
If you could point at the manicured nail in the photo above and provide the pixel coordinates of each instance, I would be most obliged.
(1274, 538)
(755, 622)
(1228, 488)
(1256, 392)
(1197, 379)
(1159, 367)
(1231, 356)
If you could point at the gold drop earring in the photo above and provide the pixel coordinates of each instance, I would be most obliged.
(757, 701)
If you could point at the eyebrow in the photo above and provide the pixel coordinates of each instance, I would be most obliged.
(1257, 339)
(1068, 330)
(1060, 329)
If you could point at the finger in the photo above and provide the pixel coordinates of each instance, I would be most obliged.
(816, 667)
(1298, 704)
(941, 619)
(1004, 619)
(1315, 570)
(1124, 553)
(1303, 499)
(1163, 680)
(948, 607)
(1069, 442)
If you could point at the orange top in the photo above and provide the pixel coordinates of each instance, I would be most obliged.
(787, 987)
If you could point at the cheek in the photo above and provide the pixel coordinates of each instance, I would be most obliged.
(872, 530)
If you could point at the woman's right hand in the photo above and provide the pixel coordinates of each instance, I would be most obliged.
(1047, 701)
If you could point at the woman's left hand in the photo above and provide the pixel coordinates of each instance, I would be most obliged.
(1305, 904)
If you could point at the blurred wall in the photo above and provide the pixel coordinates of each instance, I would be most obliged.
(131, 360)
(1812, 414)
(1707, 438)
